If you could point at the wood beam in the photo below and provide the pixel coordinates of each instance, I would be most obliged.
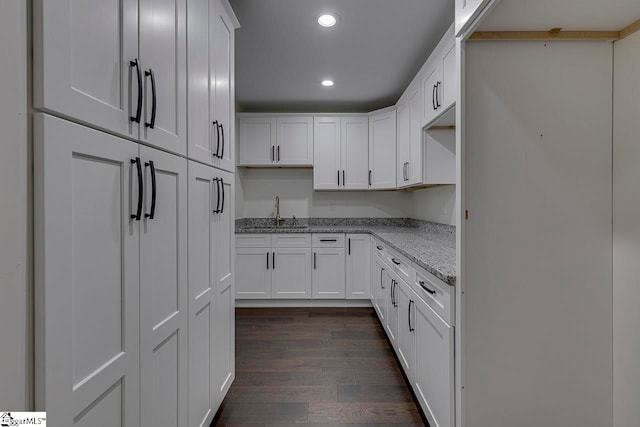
(553, 34)
(630, 29)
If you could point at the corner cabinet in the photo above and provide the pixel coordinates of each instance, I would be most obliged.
(278, 141)
(126, 75)
(382, 150)
(211, 83)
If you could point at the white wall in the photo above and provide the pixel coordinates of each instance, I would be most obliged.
(258, 187)
(435, 204)
(538, 315)
(15, 294)
(626, 233)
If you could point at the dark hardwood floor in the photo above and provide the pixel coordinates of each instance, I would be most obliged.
(315, 367)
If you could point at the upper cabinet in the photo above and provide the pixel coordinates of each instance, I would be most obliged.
(409, 166)
(466, 12)
(276, 141)
(439, 79)
(340, 153)
(211, 120)
(118, 66)
(382, 150)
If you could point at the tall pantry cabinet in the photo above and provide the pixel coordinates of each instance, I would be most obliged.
(134, 239)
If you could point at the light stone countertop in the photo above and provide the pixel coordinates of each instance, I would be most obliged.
(430, 245)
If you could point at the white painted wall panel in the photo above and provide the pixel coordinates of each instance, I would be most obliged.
(538, 317)
(626, 232)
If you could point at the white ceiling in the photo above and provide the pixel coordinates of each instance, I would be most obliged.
(372, 54)
(570, 15)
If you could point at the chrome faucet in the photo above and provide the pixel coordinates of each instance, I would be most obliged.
(278, 218)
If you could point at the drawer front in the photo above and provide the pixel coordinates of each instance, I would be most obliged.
(253, 240)
(292, 240)
(328, 240)
(378, 248)
(400, 264)
(437, 294)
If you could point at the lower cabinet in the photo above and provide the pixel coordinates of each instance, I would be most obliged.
(211, 290)
(433, 381)
(328, 278)
(253, 274)
(423, 341)
(291, 273)
(358, 260)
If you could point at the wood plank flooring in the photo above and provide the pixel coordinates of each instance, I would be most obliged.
(316, 367)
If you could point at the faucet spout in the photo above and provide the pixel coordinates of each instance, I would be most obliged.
(278, 219)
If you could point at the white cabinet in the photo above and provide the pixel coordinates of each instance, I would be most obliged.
(211, 302)
(291, 274)
(439, 79)
(328, 278)
(340, 159)
(210, 83)
(276, 141)
(274, 266)
(382, 150)
(87, 272)
(358, 260)
(434, 366)
(163, 288)
(379, 288)
(120, 66)
(409, 146)
(406, 329)
(392, 281)
(466, 12)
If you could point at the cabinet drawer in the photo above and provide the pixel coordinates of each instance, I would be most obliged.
(253, 240)
(328, 240)
(378, 248)
(437, 294)
(400, 264)
(293, 240)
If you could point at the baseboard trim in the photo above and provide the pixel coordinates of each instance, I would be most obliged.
(277, 303)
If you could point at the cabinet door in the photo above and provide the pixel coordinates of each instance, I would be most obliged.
(326, 153)
(391, 285)
(202, 289)
(223, 100)
(163, 55)
(86, 282)
(406, 328)
(448, 88)
(163, 290)
(328, 279)
(403, 144)
(257, 141)
(414, 166)
(358, 266)
(291, 274)
(379, 291)
(223, 274)
(201, 137)
(382, 150)
(82, 58)
(430, 92)
(355, 153)
(295, 141)
(433, 381)
(253, 275)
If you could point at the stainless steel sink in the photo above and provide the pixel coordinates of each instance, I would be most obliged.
(277, 227)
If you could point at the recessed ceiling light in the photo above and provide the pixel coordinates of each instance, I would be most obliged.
(327, 83)
(327, 20)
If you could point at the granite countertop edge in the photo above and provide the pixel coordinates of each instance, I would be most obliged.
(450, 279)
